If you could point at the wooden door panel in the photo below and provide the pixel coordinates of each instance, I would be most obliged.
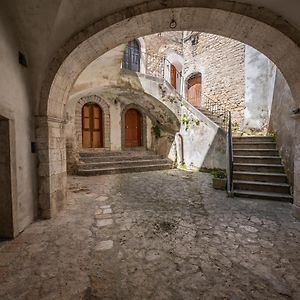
(173, 76)
(96, 124)
(194, 91)
(96, 142)
(86, 139)
(132, 128)
(86, 123)
(92, 135)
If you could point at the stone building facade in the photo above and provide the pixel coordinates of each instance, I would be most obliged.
(219, 60)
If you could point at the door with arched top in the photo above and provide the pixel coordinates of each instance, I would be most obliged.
(173, 76)
(133, 128)
(194, 90)
(92, 133)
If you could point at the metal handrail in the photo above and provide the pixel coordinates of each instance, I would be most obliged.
(229, 158)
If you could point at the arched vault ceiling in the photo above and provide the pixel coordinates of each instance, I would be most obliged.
(47, 28)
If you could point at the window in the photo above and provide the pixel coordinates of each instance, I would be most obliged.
(132, 56)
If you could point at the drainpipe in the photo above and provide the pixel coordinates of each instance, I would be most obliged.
(181, 148)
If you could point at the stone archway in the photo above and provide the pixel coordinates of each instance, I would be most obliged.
(229, 19)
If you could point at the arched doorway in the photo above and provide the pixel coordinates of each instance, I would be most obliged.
(132, 56)
(133, 128)
(194, 87)
(92, 131)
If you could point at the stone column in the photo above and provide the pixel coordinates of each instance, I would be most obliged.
(52, 175)
(297, 168)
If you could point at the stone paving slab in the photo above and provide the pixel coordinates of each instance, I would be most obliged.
(166, 235)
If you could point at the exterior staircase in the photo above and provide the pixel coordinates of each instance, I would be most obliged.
(257, 169)
(212, 117)
(99, 163)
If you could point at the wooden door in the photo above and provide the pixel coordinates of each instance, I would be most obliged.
(92, 135)
(173, 76)
(194, 90)
(133, 128)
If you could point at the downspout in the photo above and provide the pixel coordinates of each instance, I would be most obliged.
(182, 151)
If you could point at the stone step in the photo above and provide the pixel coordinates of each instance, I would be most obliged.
(255, 152)
(270, 187)
(259, 176)
(253, 139)
(97, 153)
(263, 195)
(275, 160)
(127, 169)
(116, 158)
(254, 145)
(124, 163)
(265, 168)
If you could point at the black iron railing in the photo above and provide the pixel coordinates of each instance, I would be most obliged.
(229, 158)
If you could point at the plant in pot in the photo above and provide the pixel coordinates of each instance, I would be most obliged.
(219, 179)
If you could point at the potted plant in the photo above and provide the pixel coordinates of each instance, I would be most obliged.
(219, 179)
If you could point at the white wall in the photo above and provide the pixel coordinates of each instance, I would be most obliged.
(260, 75)
(15, 105)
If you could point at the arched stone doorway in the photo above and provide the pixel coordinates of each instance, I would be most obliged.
(194, 89)
(133, 128)
(92, 127)
(256, 27)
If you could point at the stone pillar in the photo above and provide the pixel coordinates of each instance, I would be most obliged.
(52, 175)
(297, 169)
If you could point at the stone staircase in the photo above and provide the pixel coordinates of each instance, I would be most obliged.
(257, 169)
(99, 163)
(208, 114)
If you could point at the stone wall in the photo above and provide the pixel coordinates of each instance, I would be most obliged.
(16, 107)
(282, 124)
(260, 75)
(221, 62)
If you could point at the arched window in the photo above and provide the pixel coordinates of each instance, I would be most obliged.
(132, 56)
(194, 87)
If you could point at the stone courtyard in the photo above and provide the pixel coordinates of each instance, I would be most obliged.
(155, 235)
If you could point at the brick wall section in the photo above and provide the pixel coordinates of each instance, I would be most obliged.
(220, 60)
(222, 64)
(157, 46)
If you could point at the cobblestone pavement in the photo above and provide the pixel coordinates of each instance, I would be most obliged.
(155, 235)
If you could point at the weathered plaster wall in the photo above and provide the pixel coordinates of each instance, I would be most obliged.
(16, 105)
(204, 144)
(220, 60)
(282, 124)
(260, 75)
